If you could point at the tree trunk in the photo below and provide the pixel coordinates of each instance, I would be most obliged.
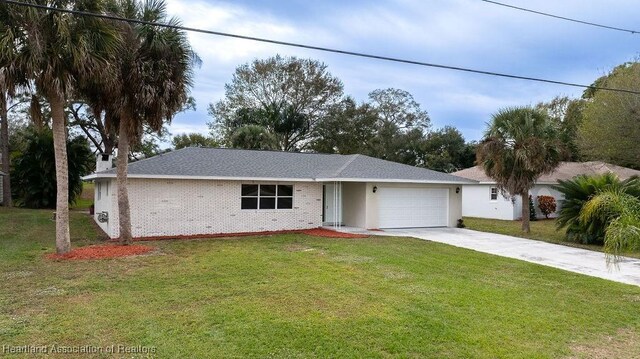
(4, 149)
(124, 212)
(525, 212)
(63, 239)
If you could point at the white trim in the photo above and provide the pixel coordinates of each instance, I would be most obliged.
(274, 179)
(387, 180)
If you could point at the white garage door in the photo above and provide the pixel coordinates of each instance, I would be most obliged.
(413, 207)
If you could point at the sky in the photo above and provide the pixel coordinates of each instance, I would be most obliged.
(464, 33)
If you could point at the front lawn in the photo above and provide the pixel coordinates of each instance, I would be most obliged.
(299, 296)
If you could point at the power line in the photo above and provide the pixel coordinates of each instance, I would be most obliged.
(562, 17)
(318, 48)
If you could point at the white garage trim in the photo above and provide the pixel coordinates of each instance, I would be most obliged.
(411, 207)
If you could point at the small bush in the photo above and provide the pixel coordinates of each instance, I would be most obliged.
(532, 210)
(547, 205)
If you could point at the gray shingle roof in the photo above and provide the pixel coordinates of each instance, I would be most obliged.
(235, 163)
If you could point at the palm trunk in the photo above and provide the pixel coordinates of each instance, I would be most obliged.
(525, 212)
(124, 212)
(4, 149)
(63, 240)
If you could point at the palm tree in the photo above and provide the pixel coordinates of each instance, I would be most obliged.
(55, 50)
(578, 191)
(151, 81)
(620, 212)
(520, 145)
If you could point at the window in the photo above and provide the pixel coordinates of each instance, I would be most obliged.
(99, 185)
(266, 196)
(494, 193)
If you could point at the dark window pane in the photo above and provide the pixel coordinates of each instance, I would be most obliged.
(285, 190)
(267, 190)
(249, 189)
(285, 202)
(249, 203)
(267, 203)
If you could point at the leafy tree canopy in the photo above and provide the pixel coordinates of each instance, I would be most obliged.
(193, 139)
(277, 91)
(33, 172)
(609, 130)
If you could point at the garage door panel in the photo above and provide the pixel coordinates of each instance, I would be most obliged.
(413, 207)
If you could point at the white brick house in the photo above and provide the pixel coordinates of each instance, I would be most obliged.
(199, 191)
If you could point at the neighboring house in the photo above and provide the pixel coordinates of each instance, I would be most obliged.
(484, 200)
(200, 191)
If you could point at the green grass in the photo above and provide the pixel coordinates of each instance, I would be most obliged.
(541, 230)
(85, 200)
(298, 296)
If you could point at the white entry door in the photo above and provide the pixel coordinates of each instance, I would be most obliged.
(406, 207)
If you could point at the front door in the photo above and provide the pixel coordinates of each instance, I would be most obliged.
(332, 204)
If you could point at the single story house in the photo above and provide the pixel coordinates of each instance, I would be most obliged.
(483, 199)
(201, 191)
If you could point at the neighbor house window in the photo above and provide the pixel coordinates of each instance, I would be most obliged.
(266, 196)
(494, 193)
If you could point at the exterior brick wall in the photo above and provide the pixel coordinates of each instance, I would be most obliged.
(192, 207)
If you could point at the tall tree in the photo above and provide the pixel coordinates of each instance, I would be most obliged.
(609, 130)
(278, 88)
(11, 77)
(399, 109)
(149, 83)
(56, 49)
(567, 113)
(254, 137)
(347, 128)
(520, 145)
(193, 139)
(446, 150)
(34, 170)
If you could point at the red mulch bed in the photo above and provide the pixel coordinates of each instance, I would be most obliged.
(322, 232)
(318, 232)
(102, 252)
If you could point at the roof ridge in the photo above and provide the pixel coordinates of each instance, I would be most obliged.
(345, 165)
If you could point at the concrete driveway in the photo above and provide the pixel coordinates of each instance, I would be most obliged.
(553, 255)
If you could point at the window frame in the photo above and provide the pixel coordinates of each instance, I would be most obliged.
(275, 197)
(493, 191)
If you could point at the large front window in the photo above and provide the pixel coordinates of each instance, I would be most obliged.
(266, 196)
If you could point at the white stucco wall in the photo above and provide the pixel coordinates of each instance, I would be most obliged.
(476, 202)
(200, 207)
(354, 204)
(546, 190)
(104, 199)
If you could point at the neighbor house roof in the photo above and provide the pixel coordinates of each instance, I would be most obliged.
(565, 171)
(220, 163)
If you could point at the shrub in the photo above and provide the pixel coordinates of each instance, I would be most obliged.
(547, 205)
(33, 173)
(532, 210)
(577, 192)
(621, 213)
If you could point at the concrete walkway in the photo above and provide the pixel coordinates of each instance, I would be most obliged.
(572, 259)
